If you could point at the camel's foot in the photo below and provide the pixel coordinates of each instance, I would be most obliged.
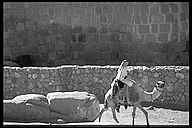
(118, 110)
(125, 106)
(117, 121)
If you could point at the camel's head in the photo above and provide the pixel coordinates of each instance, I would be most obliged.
(124, 63)
(158, 89)
(160, 85)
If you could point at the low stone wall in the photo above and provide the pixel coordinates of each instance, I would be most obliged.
(97, 80)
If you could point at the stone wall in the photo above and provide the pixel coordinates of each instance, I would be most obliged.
(97, 80)
(154, 33)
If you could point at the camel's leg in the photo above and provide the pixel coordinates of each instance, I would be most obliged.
(145, 112)
(117, 108)
(114, 114)
(125, 102)
(133, 114)
(100, 114)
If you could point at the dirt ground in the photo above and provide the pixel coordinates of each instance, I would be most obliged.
(158, 116)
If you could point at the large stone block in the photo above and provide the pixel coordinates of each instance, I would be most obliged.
(175, 28)
(92, 37)
(103, 29)
(91, 29)
(174, 37)
(98, 10)
(76, 106)
(154, 28)
(157, 18)
(113, 28)
(170, 18)
(183, 36)
(29, 25)
(185, 7)
(26, 108)
(164, 28)
(160, 59)
(187, 37)
(20, 27)
(114, 37)
(103, 19)
(130, 28)
(150, 38)
(154, 9)
(174, 8)
(130, 14)
(184, 27)
(144, 19)
(122, 27)
(143, 28)
(107, 9)
(130, 36)
(104, 37)
(77, 29)
(163, 37)
(164, 8)
(109, 19)
(136, 9)
(144, 9)
(136, 19)
(184, 16)
(5, 35)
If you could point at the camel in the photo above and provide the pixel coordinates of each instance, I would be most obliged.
(111, 97)
(112, 100)
(135, 94)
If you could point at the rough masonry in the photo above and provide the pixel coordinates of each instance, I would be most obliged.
(58, 33)
(97, 80)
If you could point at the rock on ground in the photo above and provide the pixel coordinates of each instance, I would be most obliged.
(26, 108)
(74, 106)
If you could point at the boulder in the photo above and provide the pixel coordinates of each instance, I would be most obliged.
(74, 106)
(26, 108)
(36, 99)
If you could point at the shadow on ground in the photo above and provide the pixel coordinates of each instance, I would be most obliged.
(176, 107)
(158, 116)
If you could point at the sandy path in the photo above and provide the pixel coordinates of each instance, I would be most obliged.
(159, 116)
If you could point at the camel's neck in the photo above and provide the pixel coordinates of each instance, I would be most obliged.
(150, 96)
(121, 71)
